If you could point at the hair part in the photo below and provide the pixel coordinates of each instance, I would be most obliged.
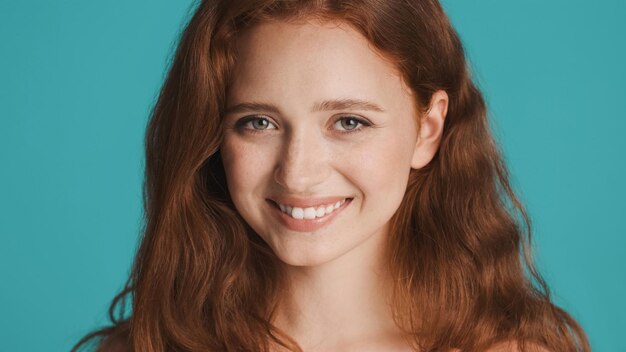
(459, 243)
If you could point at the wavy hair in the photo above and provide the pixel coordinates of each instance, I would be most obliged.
(202, 280)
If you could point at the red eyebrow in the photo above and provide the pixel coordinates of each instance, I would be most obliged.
(326, 105)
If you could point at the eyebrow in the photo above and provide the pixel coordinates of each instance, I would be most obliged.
(326, 105)
(346, 104)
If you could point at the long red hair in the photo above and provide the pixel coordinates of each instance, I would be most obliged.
(459, 244)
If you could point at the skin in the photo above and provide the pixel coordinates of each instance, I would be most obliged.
(335, 296)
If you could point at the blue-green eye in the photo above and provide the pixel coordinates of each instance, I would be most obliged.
(256, 123)
(350, 124)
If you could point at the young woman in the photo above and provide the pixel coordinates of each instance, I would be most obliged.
(320, 176)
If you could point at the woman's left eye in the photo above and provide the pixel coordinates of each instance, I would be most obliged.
(350, 124)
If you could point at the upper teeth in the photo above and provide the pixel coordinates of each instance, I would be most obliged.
(310, 213)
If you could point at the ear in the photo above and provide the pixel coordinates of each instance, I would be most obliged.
(430, 130)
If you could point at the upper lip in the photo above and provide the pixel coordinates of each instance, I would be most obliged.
(307, 202)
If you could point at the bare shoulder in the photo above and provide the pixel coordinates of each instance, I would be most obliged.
(114, 344)
(512, 346)
(118, 340)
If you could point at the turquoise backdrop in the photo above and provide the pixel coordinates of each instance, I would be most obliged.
(78, 78)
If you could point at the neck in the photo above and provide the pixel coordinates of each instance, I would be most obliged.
(332, 305)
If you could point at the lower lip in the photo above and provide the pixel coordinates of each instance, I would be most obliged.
(306, 225)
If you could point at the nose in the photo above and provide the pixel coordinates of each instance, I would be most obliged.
(304, 163)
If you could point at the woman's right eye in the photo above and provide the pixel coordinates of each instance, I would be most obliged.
(255, 123)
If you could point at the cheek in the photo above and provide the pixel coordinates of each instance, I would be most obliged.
(380, 169)
(242, 165)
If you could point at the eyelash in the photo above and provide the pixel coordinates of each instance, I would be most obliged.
(362, 124)
(242, 123)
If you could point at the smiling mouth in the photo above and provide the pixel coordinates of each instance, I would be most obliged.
(309, 213)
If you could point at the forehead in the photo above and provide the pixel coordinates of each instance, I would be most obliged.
(311, 61)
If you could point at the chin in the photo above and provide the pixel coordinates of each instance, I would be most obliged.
(308, 258)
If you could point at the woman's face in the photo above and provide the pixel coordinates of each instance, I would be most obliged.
(319, 141)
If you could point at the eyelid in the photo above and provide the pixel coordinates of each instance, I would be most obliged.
(240, 123)
(360, 119)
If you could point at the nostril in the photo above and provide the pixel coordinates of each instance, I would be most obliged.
(300, 180)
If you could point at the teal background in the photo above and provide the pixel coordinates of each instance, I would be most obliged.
(78, 78)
